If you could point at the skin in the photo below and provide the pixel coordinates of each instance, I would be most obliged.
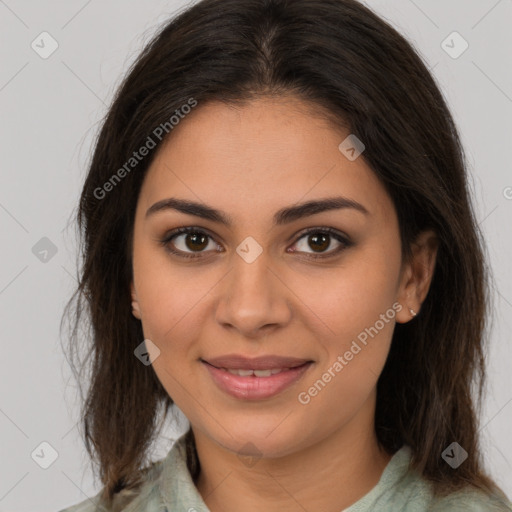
(249, 162)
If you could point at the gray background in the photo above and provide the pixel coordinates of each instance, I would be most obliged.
(51, 109)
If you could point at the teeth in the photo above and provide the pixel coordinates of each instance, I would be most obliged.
(258, 373)
(241, 373)
(263, 373)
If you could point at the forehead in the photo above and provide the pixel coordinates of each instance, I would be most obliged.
(259, 156)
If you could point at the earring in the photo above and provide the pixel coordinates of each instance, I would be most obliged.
(413, 313)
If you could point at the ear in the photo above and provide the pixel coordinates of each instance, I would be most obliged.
(135, 302)
(417, 275)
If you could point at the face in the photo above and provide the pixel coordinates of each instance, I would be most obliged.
(321, 288)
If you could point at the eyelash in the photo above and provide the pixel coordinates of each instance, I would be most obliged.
(346, 243)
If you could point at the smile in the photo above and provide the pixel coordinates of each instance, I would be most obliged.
(255, 384)
(257, 373)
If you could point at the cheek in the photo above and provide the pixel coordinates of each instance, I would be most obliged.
(165, 297)
(353, 357)
(172, 307)
(358, 309)
(353, 296)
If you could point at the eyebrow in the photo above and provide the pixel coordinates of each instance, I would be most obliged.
(283, 216)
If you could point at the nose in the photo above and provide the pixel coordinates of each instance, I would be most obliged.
(254, 299)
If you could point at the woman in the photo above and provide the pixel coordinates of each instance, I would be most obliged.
(279, 239)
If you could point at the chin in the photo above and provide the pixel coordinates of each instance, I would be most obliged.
(263, 440)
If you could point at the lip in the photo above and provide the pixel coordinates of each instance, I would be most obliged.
(269, 362)
(257, 388)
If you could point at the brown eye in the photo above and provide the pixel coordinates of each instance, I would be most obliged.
(185, 242)
(319, 240)
(196, 241)
(190, 242)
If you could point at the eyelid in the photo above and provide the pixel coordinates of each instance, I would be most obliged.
(339, 236)
(165, 241)
(343, 239)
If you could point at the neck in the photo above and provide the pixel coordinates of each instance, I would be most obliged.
(329, 475)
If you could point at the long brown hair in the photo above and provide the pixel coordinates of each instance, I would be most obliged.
(359, 71)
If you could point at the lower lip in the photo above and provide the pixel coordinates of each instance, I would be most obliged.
(252, 387)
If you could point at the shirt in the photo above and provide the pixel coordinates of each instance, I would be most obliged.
(168, 487)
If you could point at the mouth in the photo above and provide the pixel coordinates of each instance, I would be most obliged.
(255, 379)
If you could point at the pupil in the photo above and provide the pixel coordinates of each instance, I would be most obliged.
(195, 237)
(315, 238)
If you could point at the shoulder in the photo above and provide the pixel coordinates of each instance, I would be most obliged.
(421, 497)
(406, 490)
(471, 500)
(145, 497)
(166, 486)
(88, 505)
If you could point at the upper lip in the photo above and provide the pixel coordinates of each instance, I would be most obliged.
(238, 362)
